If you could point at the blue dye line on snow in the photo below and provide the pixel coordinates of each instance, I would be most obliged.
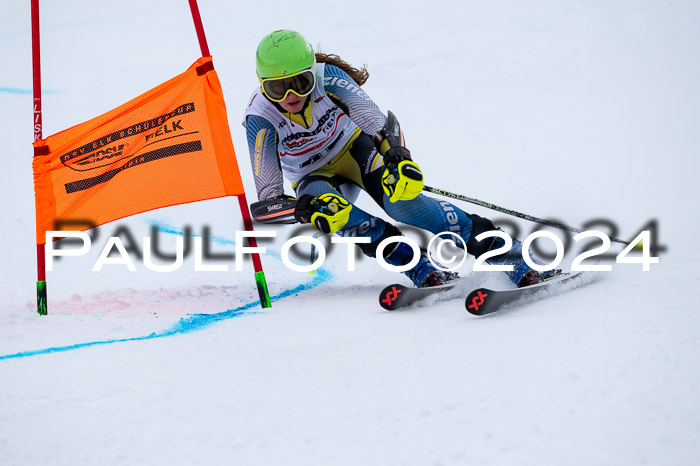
(187, 324)
(175, 231)
(216, 239)
(14, 90)
(193, 322)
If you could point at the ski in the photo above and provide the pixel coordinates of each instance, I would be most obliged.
(483, 301)
(398, 296)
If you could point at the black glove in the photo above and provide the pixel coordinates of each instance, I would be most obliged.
(304, 210)
(396, 154)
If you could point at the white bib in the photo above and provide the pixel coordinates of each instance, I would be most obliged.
(302, 150)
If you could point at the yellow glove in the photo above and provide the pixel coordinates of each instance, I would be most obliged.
(402, 181)
(328, 212)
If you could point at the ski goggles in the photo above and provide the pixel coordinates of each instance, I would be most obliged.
(301, 84)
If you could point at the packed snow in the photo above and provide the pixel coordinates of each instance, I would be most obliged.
(575, 110)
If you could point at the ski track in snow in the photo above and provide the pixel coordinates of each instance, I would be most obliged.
(120, 299)
(186, 324)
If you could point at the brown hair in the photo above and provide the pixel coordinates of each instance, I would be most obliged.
(359, 76)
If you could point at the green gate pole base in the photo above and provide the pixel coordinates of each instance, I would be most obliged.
(262, 289)
(41, 301)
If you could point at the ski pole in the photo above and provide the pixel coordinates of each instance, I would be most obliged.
(503, 210)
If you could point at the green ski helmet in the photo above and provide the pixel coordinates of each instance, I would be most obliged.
(283, 53)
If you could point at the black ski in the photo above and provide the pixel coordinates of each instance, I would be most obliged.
(483, 301)
(397, 296)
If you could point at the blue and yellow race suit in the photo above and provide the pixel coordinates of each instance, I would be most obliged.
(330, 147)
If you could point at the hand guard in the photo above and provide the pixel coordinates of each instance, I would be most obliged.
(402, 179)
(328, 212)
(278, 209)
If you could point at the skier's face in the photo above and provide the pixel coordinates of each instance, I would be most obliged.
(293, 103)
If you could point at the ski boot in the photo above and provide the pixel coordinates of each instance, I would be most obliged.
(532, 277)
(522, 275)
(424, 273)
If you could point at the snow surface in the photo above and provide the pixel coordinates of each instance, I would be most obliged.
(572, 110)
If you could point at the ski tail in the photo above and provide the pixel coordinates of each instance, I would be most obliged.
(398, 296)
(483, 301)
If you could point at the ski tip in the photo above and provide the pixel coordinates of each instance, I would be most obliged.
(477, 301)
(389, 298)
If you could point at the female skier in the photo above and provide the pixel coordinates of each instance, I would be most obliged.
(310, 122)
